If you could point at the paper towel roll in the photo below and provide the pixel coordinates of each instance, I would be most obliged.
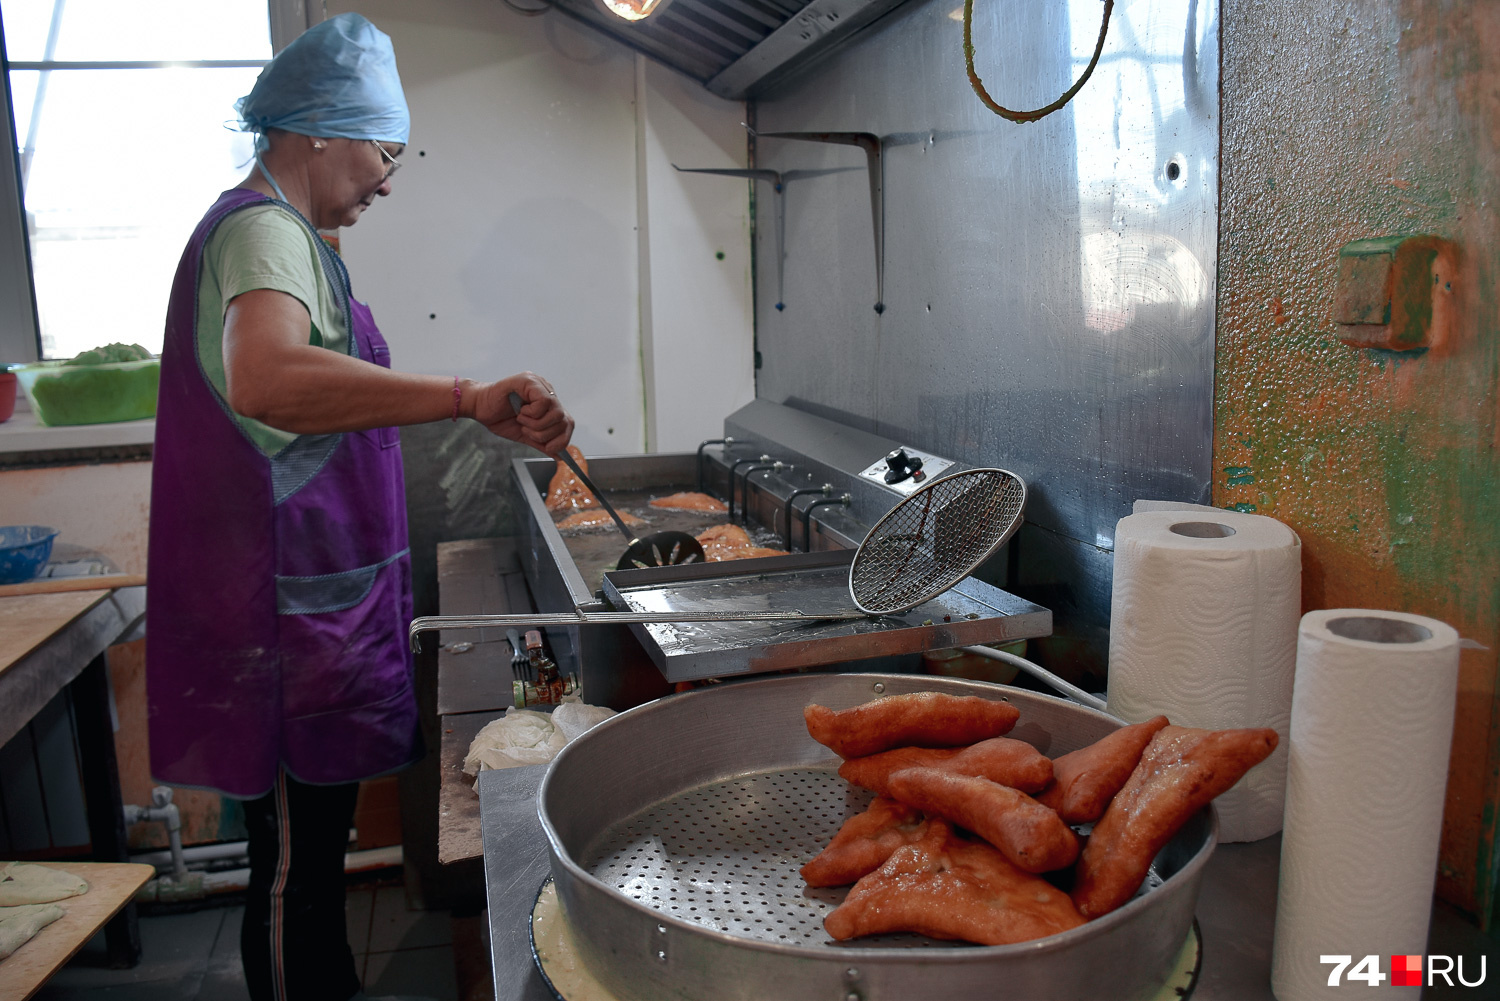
(1203, 628)
(1372, 722)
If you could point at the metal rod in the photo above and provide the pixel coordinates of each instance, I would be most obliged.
(842, 500)
(786, 515)
(726, 442)
(429, 623)
(776, 466)
(733, 471)
(608, 507)
(516, 404)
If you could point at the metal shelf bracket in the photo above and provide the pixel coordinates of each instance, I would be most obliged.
(870, 143)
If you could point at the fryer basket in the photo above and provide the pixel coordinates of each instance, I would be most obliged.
(675, 842)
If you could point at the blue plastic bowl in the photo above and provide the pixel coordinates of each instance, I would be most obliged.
(24, 550)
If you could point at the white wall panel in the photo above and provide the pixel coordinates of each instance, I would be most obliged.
(508, 242)
(699, 327)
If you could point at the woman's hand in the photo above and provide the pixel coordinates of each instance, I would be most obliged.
(541, 423)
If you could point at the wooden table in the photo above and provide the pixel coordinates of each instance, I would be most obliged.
(476, 576)
(52, 641)
(111, 887)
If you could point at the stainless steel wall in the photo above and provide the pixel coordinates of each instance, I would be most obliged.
(1049, 287)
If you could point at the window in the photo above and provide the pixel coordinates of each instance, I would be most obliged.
(120, 111)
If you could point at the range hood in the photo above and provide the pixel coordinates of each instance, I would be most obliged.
(736, 48)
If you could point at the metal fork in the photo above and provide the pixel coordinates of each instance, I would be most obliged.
(520, 664)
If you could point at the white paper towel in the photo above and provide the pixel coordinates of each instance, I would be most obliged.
(1372, 722)
(1203, 628)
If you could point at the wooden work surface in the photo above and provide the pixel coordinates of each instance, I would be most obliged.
(111, 886)
(28, 621)
(458, 802)
(475, 576)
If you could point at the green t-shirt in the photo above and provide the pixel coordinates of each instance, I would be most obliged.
(262, 247)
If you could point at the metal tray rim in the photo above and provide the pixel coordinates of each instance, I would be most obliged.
(969, 954)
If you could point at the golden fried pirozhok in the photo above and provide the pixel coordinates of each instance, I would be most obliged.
(1181, 770)
(950, 887)
(690, 501)
(923, 719)
(566, 492)
(864, 842)
(1031, 835)
(1088, 778)
(1013, 763)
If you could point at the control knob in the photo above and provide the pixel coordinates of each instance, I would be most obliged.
(902, 466)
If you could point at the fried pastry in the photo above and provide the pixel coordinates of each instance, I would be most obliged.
(722, 540)
(753, 552)
(731, 542)
(1031, 835)
(566, 492)
(1181, 770)
(1088, 778)
(864, 842)
(597, 518)
(950, 887)
(690, 501)
(1013, 763)
(922, 719)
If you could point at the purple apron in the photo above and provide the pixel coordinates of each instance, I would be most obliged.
(280, 587)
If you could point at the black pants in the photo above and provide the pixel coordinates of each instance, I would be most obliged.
(293, 942)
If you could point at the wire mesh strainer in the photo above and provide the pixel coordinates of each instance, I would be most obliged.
(925, 545)
(935, 538)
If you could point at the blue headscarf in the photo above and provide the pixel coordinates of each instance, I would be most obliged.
(336, 80)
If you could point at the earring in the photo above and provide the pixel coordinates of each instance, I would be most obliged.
(317, 144)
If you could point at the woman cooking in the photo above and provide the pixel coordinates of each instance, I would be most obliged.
(280, 591)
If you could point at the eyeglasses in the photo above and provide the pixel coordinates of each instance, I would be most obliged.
(392, 164)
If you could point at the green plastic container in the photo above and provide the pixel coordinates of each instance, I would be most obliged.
(91, 394)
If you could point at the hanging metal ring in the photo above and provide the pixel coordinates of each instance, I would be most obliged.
(1027, 116)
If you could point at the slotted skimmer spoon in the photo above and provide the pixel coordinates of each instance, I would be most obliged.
(925, 545)
(659, 549)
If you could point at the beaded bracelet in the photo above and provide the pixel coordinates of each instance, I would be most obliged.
(458, 395)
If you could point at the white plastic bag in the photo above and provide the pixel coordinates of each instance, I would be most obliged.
(523, 737)
(517, 738)
(575, 719)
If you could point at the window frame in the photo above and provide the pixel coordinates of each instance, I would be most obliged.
(20, 329)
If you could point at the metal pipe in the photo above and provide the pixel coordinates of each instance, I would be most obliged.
(786, 513)
(777, 466)
(842, 500)
(162, 810)
(1072, 691)
(734, 469)
(199, 854)
(726, 442)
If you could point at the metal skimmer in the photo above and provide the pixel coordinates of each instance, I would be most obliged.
(935, 538)
(923, 546)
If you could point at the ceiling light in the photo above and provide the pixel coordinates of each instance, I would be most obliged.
(633, 10)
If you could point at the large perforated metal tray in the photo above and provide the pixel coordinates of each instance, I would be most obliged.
(676, 831)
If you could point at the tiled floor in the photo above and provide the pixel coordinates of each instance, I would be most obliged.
(195, 956)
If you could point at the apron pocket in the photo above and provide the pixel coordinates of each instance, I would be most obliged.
(330, 592)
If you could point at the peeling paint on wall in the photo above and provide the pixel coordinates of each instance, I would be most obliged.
(1346, 121)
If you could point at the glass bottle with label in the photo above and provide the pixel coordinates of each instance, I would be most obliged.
(549, 684)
